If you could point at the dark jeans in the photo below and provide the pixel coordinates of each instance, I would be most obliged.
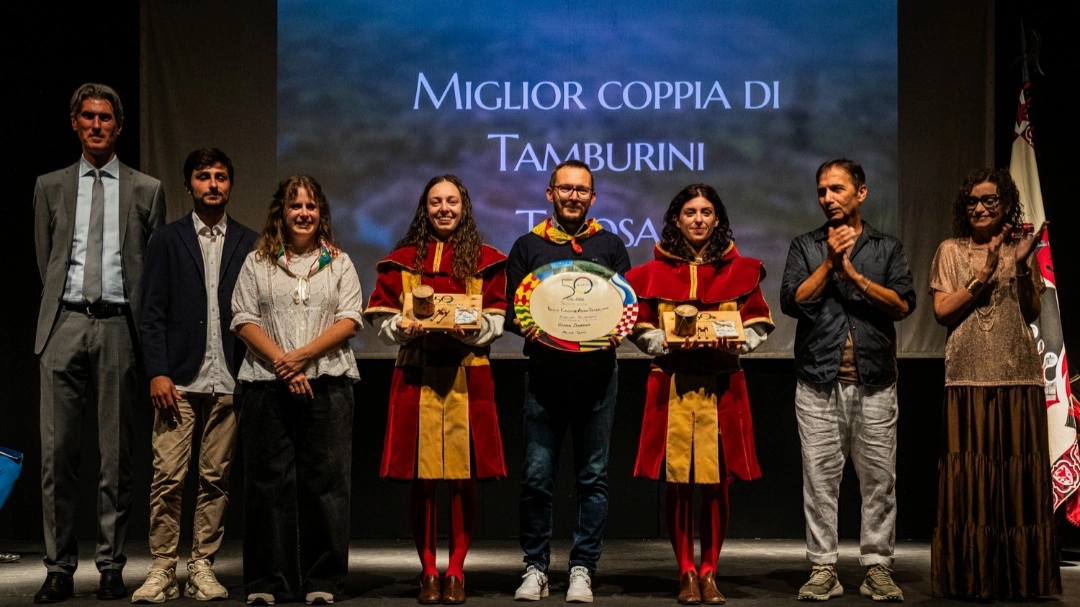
(587, 407)
(297, 476)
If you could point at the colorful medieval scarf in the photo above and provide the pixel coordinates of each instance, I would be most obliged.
(326, 255)
(552, 233)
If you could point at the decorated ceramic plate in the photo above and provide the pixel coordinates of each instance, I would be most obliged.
(576, 306)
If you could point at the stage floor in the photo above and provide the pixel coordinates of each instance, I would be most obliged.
(632, 572)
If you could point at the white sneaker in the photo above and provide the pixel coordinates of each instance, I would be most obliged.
(580, 589)
(319, 598)
(260, 598)
(160, 586)
(202, 584)
(534, 585)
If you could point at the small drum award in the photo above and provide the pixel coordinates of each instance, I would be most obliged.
(685, 321)
(423, 301)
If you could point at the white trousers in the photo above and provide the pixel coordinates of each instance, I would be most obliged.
(836, 419)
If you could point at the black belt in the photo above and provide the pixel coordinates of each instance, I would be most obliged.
(97, 309)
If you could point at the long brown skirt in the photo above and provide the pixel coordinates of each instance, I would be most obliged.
(995, 536)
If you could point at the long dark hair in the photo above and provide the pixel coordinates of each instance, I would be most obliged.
(671, 239)
(273, 235)
(466, 238)
(1008, 195)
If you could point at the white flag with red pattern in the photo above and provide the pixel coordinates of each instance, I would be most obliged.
(1062, 412)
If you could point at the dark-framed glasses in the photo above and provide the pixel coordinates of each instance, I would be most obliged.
(989, 202)
(570, 190)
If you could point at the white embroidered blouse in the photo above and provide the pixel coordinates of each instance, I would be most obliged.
(295, 309)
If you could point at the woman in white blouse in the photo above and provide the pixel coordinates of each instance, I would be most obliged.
(296, 304)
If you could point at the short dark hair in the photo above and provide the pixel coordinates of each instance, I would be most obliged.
(203, 158)
(858, 177)
(1008, 193)
(93, 90)
(571, 163)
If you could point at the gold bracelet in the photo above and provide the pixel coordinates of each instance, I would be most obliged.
(974, 285)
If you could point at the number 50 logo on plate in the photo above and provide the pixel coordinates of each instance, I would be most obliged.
(576, 306)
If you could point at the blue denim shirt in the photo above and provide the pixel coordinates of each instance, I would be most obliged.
(824, 324)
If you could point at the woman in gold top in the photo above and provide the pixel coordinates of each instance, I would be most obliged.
(995, 536)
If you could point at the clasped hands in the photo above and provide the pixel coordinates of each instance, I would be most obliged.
(289, 368)
(840, 242)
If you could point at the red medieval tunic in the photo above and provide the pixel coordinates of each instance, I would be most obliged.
(696, 401)
(441, 422)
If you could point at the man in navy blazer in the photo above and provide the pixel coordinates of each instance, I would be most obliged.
(92, 221)
(192, 359)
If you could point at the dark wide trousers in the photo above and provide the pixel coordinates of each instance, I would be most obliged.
(297, 475)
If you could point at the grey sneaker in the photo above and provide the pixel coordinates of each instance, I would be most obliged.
(160, 586)
(879, 585)
(534, 585)
(9, 557)
(822, 585)
(580, 589)
(202, 584)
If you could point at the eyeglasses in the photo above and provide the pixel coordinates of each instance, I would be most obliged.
(569, 190)
(989, 202)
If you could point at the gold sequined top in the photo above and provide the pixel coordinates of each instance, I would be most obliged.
(991, 345)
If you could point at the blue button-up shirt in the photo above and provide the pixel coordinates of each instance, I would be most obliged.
(112, 267)
(824, 324)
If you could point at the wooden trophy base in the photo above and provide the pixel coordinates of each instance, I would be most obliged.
(711, 326)
(450, 309)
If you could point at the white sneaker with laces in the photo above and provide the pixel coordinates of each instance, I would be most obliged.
(160, 586)
(202, 584)
(534, 585)
(580, 589)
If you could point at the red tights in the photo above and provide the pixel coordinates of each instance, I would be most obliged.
(680, 524)
(462, 517)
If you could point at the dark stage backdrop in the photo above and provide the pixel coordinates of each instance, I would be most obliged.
(956, 94)
(374, 99)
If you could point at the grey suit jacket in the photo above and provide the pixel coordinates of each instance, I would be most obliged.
(142, 209)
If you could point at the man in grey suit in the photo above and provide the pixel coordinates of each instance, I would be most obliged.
(92, 221)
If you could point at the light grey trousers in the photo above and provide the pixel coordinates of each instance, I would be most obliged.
(836, 419)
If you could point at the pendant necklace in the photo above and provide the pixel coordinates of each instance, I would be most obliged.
(984, 315)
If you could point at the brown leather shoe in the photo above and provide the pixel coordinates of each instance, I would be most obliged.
(710, 594)
(430, 594)
(453, 592)
(689, 592)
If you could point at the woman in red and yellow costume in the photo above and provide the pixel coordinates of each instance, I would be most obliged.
(697, 429)
(442, 422)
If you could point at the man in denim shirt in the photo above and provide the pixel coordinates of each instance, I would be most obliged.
(847, 283)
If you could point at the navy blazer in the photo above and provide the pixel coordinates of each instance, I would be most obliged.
(174, 318)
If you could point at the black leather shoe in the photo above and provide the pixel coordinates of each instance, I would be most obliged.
(111, 586)
(57, 587)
